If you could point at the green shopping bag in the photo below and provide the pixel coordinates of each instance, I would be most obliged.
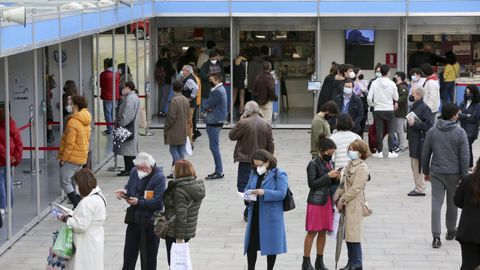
(63, 246)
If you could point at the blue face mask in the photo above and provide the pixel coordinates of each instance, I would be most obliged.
(353, 155)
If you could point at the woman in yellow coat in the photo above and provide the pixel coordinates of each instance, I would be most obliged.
(350, 195)
(73, 151)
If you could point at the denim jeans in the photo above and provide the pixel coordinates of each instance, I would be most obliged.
(163, 97)
(66, 172)
(244, 171)
(213, 139)
(177, 152)
(3, 187)
(108, 113)
(354, 254)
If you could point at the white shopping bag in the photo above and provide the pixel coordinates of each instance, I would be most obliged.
(180, 257)
(336, 221)
(188, 147)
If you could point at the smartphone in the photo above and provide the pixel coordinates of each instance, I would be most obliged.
(125, 196)
(340, 169)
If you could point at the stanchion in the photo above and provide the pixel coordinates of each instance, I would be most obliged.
(30, 135)
(115, 167)
(147, 111)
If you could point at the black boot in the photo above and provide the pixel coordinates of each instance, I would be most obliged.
(319, 265)
(72, 196)
(307, 265)
(346, 267)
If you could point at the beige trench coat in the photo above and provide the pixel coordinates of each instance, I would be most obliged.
(175, 129)
(351, 194)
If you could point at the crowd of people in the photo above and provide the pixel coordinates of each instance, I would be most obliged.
(440, 151)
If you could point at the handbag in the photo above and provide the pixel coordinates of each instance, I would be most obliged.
(63, 246)
(288, 201)
(161, 223)
(53, 261)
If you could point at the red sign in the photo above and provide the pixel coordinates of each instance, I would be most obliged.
(391, 59)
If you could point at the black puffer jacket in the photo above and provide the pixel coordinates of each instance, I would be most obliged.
(318, 182)
(182, 199)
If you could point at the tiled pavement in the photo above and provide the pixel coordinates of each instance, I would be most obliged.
(396, 236)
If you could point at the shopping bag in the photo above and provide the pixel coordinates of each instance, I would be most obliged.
(63, 246)
(53, 261)
(336, 220)
(188, 147)
(180, 257)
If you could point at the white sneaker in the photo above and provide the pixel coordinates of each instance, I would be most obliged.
(378, 155)
(392, 155)
(3, 211)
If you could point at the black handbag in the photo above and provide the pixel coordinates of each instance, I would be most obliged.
(288, 202)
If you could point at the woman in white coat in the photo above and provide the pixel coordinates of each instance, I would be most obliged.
(87, 224)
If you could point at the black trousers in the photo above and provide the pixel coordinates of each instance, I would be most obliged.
(252, 259)
(128, 163)
(168, 244)
(140, 238)
(194, 120)
(470, 256)
(470, 143)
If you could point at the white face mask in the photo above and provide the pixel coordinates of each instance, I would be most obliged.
(353, 155)
(261, 170)
(347, 90)
(213, 61)
(415, 78)
(378, 74)
(142, 174)
(351, 74)
(69, 108)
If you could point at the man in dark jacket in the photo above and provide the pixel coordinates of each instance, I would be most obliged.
(255, 67)
(416, 130)
(351, 104)
(446, 147)
(401, 109)
(252, 132)
(213, 65)
(216, 108)
(144, 193)
(263, 92)
(332, 88)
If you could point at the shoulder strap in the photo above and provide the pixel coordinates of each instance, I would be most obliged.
(101, 197)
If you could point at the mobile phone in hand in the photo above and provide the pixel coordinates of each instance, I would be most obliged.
(125, 196)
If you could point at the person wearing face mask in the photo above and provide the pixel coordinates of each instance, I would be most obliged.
(445, 160)
(321, 177)
(216, 109)
(345, 72)
(182, 199)
(382, 96)
(107, 92)
(432, 89)
(401, 110)
(350, 198)
(342, 138)
(144, 193)
(320, 125)
(470, 116)
(417, 78)
(361, 90)
(266, 224)
(128, 118)
(350, 104)
(125, 75)
(213, 65)
(377, 74)
(74, 146)
(416, 131)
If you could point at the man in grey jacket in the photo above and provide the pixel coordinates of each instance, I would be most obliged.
(445, 160)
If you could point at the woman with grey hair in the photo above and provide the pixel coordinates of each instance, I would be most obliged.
(252, 133)
(144, 194)
(419, 120)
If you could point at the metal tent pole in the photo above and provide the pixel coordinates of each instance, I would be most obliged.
(7, 149)
(80, 66)
(36, 130)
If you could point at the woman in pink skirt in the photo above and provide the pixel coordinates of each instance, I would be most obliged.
(321, 176)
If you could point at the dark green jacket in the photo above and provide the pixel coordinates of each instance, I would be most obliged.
(402, 101)
(182, 199)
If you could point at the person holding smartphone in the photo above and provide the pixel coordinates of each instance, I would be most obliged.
(319, 220)
(144, 193)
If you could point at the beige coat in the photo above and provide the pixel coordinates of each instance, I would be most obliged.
(175, 129)
(351, 194)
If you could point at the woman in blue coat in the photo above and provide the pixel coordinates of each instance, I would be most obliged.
(470, 116)
(266, 224)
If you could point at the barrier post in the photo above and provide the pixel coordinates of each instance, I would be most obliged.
(147, 111)
(30, 136)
